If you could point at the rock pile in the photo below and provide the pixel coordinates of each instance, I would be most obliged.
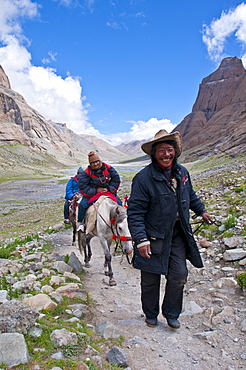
(42, 283)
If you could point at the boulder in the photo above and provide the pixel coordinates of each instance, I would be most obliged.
(13, 349)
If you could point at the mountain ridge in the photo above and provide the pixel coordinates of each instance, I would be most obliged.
(215, 126)
(20, 124)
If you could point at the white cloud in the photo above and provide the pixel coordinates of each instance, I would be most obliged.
(52, 58)
(56, 98)
(140, 130)
(215, 35)
(11, 14)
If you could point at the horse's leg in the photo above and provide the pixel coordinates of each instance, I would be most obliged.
(74, 232)
(82, 247)
(87, 250)
(107, 263)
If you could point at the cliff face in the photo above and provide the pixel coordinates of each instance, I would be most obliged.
(217, 123)
(21, 124)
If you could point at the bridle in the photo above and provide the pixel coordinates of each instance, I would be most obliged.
(119, 238)
(115, 233)
(73, 204)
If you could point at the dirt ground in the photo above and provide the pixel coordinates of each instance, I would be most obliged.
(196, 345)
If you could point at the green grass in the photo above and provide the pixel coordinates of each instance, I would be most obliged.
(213, 161)
(230, 222)
(5, 251)
(241, 279)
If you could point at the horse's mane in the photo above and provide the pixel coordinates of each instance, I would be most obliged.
(117, 212)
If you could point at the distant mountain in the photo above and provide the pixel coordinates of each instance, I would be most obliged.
(217, 123)
(21, 124)
(133, 148)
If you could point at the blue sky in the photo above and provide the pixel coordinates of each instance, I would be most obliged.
(117, 69)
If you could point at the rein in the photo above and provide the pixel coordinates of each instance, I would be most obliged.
(115, 235)
(101, 215)
(200, 223)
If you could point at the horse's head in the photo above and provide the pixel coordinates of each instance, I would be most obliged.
(122, 234)
(77, 197)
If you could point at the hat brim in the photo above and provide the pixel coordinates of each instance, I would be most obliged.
(147, 147)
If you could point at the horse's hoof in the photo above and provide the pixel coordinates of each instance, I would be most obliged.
(73, 243)
(87, 264)
(106, 273)
(112, 282)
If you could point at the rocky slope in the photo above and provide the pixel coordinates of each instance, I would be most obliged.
(217, 123)
(21, 124)
(95, 315)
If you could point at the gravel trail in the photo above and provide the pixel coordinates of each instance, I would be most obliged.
(196, 345)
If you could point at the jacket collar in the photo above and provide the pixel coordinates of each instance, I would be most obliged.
(157, 172)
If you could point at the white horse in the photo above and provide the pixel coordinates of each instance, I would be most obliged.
(110, 224)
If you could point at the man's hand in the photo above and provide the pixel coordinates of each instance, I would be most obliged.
(207, 218)
(102, 190)
(145, 251)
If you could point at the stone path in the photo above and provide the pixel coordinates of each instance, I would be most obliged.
(205, 340)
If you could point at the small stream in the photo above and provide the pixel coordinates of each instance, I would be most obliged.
(44, 188)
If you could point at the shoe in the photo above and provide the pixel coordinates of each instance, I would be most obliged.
(81, 228)
(151, 322)
(172, 323)
(66, 221)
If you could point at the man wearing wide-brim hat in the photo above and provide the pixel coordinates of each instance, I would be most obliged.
(158, 219)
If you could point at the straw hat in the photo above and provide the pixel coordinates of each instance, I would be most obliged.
(163, 135)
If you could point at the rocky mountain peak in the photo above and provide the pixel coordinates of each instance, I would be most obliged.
(229, 68)
(218, 89)
(217, 123)
(4, 79)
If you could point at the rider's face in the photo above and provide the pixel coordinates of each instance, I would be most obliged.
(96, 165)
(165, 154)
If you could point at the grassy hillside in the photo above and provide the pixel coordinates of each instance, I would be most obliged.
(21, 162)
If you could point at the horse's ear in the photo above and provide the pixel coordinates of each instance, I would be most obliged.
(113, 212)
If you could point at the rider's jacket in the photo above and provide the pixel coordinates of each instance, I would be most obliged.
(105, 177)
(72, 187)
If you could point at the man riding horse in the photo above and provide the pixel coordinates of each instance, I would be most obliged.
(71, 190)
(97, 179)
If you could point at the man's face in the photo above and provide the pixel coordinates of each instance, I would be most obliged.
(96, 165)
(165, 154)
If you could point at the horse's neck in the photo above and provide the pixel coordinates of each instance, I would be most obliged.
(105, 207)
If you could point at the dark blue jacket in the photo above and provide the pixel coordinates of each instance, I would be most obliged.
(152, 213)
(105, 177)
(72, 187)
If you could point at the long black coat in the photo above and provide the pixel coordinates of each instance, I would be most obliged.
(152, 213)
